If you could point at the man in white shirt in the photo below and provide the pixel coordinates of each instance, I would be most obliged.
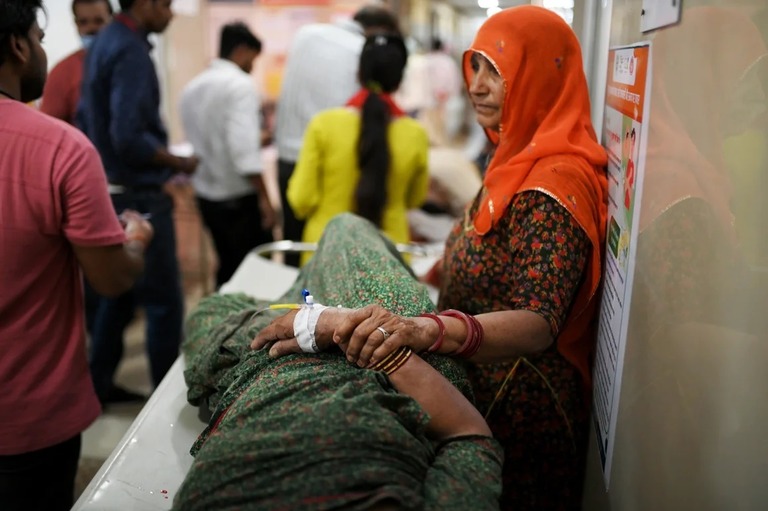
(320, 73)
(220, 114)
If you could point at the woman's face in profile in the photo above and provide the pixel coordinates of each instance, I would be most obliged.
(487, 92)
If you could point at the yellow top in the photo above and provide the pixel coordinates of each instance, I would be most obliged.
(326, 175)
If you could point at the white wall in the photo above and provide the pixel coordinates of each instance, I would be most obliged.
(61, 37)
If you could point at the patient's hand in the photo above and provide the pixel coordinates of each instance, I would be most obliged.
(280, 333)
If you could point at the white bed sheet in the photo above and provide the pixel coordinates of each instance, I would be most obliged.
(147, 467)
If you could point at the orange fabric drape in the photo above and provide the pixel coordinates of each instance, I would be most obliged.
(546, 142)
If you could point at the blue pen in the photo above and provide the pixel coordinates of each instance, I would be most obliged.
(145, 216)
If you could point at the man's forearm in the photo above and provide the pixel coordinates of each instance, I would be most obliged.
(165, 159)
(257, 181)
(180, 164)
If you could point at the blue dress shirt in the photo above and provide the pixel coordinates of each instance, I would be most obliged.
(120, 105)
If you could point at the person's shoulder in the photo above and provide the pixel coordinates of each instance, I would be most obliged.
(117, 39)
(313, 29)
(30, 122)
(335, 116)
(107, 36)
(240, 81)
(411, 127)
(224, 82)
(116, 30)
(307, 36)
(70, 138)
(66, 64)
(46, 130)
(561, 167)
(409, 123)
(319, 33)
(198, 83)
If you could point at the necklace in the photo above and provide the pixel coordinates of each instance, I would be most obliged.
(6, 94)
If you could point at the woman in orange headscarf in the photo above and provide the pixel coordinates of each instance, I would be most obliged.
(521, 271)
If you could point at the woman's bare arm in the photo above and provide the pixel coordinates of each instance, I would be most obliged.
(451, 414)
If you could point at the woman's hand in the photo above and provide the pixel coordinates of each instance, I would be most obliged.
(360, 335)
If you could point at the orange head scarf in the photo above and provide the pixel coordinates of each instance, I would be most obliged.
(545, 142)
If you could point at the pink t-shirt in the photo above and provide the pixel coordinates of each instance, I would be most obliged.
(53, 193)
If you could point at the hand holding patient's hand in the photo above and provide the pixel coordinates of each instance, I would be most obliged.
(369, 334)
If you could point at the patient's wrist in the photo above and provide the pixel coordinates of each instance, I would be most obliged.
(327, 323)
(305, 325)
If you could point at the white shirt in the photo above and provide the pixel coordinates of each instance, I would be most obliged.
(320, 73)
(220, 113)
(445, 75)
(415, 92)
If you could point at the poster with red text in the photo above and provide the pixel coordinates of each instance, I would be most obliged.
(625, 132)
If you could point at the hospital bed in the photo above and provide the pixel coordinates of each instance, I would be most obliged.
(150, 462)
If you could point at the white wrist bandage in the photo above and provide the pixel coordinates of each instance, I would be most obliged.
(304, 325)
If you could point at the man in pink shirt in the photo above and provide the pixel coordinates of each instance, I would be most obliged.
(62, 89)
(56, 224)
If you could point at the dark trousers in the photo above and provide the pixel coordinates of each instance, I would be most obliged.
(293, 228)
(235, 226)
(91, 306)
(158, 291)
(41, 480)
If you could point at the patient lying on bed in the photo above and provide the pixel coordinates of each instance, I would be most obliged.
(310, 431)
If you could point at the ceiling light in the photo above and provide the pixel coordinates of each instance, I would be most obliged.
(487, 4)
(558, 4)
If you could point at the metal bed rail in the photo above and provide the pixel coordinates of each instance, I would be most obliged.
(415, 249)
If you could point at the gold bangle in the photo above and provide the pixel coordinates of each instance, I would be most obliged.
(400, 362)
(393, 361)
(386, 360)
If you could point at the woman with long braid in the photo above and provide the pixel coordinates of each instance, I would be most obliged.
(368, 157)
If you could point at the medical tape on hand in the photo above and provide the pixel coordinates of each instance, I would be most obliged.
(304, 325)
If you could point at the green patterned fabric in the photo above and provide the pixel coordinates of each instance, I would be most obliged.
(310, 431)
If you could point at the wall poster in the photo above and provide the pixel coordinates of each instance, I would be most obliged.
(625, 132)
